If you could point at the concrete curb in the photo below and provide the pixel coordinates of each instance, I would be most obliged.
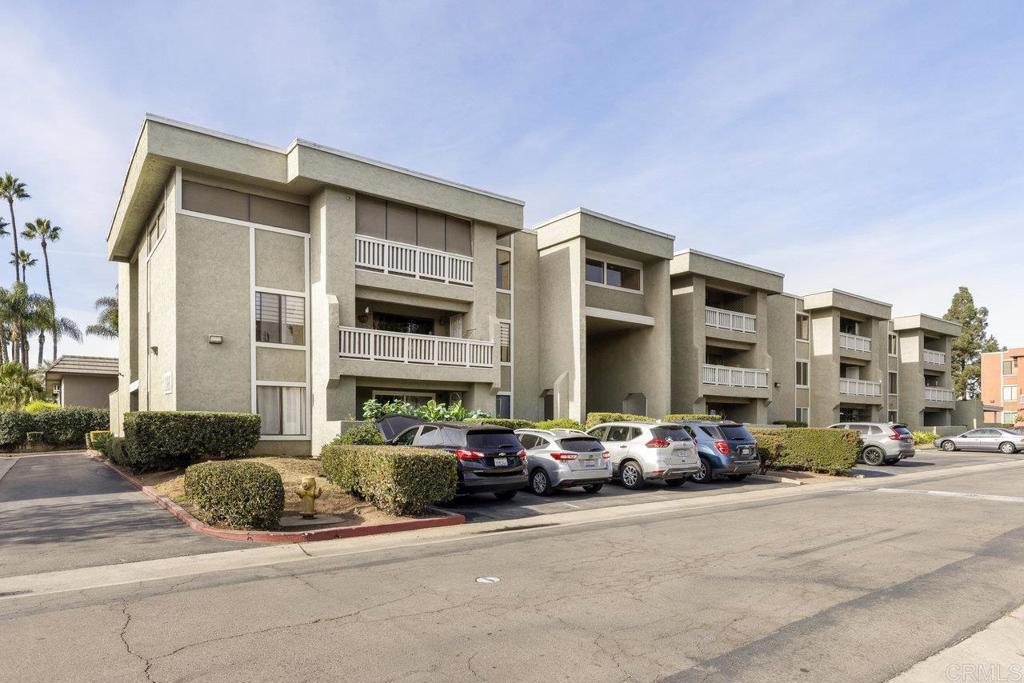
(445, 518)
(777, 480)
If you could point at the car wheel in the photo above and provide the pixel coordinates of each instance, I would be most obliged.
(737, 477)
(948, 446)
(505, 495)
(703, 475)
(675, 483)
(1007, 447)
(592, 488)
(631, 475)
(540, 483)
(873, 455)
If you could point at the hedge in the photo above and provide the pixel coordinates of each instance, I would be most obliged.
(97, 440)
(59, 426)
(364, 434)
(501, 422)
(561, 423)
(598, 418)
(240, 495)
(921, 438)
(691, 417)
(790, 423)
(168, 440)
(819, 450)
(399, 480)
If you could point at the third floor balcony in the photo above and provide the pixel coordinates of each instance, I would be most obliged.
(722, 319)
(859, 387)
(940, 394)
(854, 342)
(424, 349)
(413, 261)
(934, 357)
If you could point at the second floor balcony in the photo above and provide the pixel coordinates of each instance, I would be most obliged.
(934, 357)
(854, 342)
(730, 320)
(859, 387)
(938, 394)
(413, 261)
(424, 349)
(725, 376)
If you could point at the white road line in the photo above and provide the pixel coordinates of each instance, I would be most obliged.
(958, 494)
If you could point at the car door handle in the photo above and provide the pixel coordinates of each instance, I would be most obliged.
(623, 446)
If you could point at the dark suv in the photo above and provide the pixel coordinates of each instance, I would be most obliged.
(725, 448)
(491, 458)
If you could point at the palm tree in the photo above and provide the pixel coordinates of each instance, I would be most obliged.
(18, 386)
(106, 321)
(47, 234)
(19, 309)
(24, 259)
(45, 320)
(11, 189)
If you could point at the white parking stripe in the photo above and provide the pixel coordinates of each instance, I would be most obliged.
(958, 494)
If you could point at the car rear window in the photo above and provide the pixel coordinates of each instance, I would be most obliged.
(711, 431)
(493, 440)
(582, 444)
(670, 433)
(736, 432)
(902, 431)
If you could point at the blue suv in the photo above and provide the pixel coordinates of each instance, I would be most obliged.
(725, 449)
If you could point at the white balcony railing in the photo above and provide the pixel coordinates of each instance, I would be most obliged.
(408, 259)
(859, 387)
(730, 320)
(934, 357)
(853, 342)
(397, 347)
(938, 394)
(724, 376)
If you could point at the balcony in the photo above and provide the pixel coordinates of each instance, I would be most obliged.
(853, 342)
(859, 387)
(422, 349)
(938, 394)
(412, 261)
(724, 376)
(934, 357)
(730, 320)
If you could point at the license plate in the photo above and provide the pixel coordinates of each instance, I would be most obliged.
(501, 462)
(745, 450)
(590, 463)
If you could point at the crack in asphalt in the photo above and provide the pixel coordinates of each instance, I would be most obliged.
(148, 664)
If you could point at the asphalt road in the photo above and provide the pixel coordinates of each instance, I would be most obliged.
(852, 581)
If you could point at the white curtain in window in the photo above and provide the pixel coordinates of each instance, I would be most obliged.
(294, 414)
(268, 405)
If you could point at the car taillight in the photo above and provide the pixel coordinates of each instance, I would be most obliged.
(658, 443)
(606, 454)
(465, 454)
(563, 456)
(522, 454)
(895, 436)
(722, 446)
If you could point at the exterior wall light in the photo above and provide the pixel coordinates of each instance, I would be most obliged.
(216, 339)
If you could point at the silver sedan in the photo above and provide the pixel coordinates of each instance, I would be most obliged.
(561, 458)
(984, 439)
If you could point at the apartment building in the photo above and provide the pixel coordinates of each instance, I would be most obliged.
(923, 383)
(789, 344)
(721, 360)
(1002, 384)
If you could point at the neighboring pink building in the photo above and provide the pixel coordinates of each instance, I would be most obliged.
(1002, 384)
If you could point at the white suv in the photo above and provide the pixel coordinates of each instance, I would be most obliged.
(645, 451)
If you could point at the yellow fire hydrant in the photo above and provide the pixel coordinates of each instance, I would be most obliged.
(309, 492)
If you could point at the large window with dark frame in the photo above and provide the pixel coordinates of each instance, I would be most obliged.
(803, 327)
(282, 410)
(280, 319)
(601, 272)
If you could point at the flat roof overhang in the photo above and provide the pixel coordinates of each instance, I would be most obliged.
(721, 269)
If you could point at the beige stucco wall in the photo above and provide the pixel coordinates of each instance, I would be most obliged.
(280, 261)
(87, 390)
(529, 341)
(562, 358)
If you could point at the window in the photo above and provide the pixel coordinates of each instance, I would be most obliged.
(282, 410)
(600, 272)
(397, 222)
(619, 434)
(892, 344)
(892, 416)
(802, 414)
(280, 319)
(429, 436)
(503, 406)
(505, 342)
(893, 386)
(803, 327)
(240, 206)
(803, 373)
(504, 275)
(529, 441)
(407, 437)
(1010, 393)
(1009, 366)
(1009, 417)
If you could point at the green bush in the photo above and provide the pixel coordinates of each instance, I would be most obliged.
(97, 441)
(922, 438)
(598, 418)
(157, 440)
(33, 437)
(69, 426)
(502, 422)
(818, 450)
(14, 425)
(363, 434)
(115, 450)
(431, 411)
(39, 404)
(790, 423)
(690, 417)
(561, 423)
(403, 481)
(239, 495)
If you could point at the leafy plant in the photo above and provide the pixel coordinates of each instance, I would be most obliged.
(560, 423)
(819, 450)
(921, 438)
(399, 480)
(240, 495)
(363, 434)
(598, 418)
(156, 440)
(691, 417)
(39, 404)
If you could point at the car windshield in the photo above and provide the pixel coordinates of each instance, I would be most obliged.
(581, 444)
(496, 440)
(736, 432)
(670, 433)
(902, 431)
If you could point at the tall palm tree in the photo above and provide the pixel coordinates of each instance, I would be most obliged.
(18, 386)
(19, 309)
(45, 320)
(24, 259)
(13, 189)
(47, 234)
(106, 321)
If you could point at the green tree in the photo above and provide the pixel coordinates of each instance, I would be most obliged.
(25, 260)
(45, 319)
(974, 340)
(19, 308)
(18, 386)
(47, 234)
(12, 189)
(106, 321)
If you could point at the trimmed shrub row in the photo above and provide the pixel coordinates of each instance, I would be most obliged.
(403, 481)
(598, 418)
(790, 423)
(818, 450)
(163, 440)
(561, 423)
(921, 438)
(56, 426)
(240, 495)
(502, 422)
(691, 417)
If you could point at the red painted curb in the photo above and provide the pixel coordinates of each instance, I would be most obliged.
(447, 519)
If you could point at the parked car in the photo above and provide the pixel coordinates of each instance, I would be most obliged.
(984, 439)
(563, 458)
(724, 448)
(641, 452)
(491, 459)
(883, 443)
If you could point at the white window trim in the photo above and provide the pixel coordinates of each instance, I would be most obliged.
(890, 337)
(1014, 393)
(797, 414)
(808, 340)
(510, 267)
(402, 392)
(281, 292)
(888, 384)
(306, 408)
(808, 364)
(606, 259)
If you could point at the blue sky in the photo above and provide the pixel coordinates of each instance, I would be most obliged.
(872, 147)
